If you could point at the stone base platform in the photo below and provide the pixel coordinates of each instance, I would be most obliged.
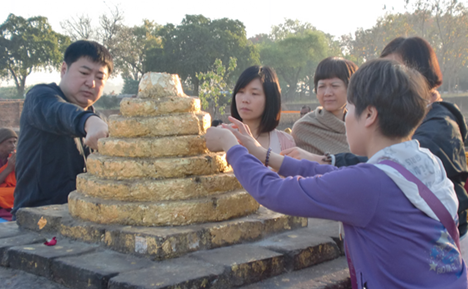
(159, 243)
(83, 265)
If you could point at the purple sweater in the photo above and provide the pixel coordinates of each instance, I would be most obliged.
(391, 243)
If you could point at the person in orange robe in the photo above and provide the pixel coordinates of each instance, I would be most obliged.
(8, 139)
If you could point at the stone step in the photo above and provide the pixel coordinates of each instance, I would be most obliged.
(79, 265)
(188, 145)
(174, 213)
(157, 242)
(122, 168)
(158, 85)
(150, 190)
(174, 124)
(157, 107)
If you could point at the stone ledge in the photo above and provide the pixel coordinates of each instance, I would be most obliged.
(93, 270)
(169, 213)
(121, 168)
(167, 125)
(187, 145)
(155, 107)
(149, 190)
(26, 238)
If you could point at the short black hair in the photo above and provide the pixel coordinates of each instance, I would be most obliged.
(91, 49)
(334, 67)
(399, 94)
(418, 54)
(267, 76)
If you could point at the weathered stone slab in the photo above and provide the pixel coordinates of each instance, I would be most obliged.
(42, 219)
(121, 168)
(214, 208)
(156, 107)
(158, 243)
(9, 229)
(253, 227)
(149, 190)
(158, 85)
(25, 238)
(83, 231)
(327, 228)
(94, 270)
(185, 145)
(245, 263)
(174, 124)
(302, 248)
(182, 273)
(36, 259)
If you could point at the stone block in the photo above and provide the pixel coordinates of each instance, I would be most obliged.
(36, 259)
(150, 190)
(245, 264)
(42, 219)
(84, 231)
(182, 273)
(121, 168)
(25, 238)
(94, 270)
(10, 229)
(174, 124)
(302, 248)
(157, 85)
(215, 208)
(157, 107)
(158, 243)
(327, 228)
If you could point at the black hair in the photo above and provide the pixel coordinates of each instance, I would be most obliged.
(418, 54)
(334, 67)
(216, 122)
(267, 76)
(91, 49)
(399, 94)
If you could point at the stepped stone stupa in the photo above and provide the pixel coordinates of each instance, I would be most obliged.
(154, 169)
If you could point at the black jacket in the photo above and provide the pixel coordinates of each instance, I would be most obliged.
(47, 159)
(443, 132)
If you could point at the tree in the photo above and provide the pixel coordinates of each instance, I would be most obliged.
(28, 45)
(194, 45)
(214, 90)
(78, 28)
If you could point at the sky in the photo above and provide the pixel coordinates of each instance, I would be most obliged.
(336, 17)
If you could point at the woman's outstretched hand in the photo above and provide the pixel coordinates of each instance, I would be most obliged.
(219, 139)
(242, 133)
(300, 154)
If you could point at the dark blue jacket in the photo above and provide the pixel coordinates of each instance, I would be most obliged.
(443, 132)
(47, 159)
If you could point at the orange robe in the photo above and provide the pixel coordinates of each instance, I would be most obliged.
(7, 189)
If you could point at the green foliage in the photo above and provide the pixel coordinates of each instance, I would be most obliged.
(28, 45)
(214, 90)
(130, 86)
(9, 92)
(193, 46)
(108, 102)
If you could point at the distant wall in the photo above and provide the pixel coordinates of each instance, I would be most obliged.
(10, 112)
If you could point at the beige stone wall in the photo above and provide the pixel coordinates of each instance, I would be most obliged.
(10, 112)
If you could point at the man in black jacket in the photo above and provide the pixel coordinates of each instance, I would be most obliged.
(54, 121)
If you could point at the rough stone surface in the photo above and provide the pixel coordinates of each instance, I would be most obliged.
(327, 228)
(10, 229)
(42, 219)
(174, 124)
(245, 263)
(137, 168)
(156, 85)
(215, 208)
(17, 279)
(183, 273)
(302, 248)
(330, 275)
(24, 239)
(37, 258)
(150, 190)
(83, 231)
(154, 107)
(94, 270)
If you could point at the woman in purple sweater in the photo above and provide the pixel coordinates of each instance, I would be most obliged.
(393, 237)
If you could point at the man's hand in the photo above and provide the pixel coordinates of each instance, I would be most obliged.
(219, 139)
(95, 129)
(300, 154)
(11, 162)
